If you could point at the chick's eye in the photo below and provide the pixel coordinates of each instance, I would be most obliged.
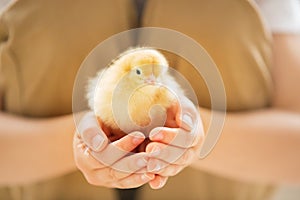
(138, 72)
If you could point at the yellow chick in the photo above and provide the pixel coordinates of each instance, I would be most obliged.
(134, 92)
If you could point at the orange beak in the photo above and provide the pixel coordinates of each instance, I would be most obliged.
(150, 80)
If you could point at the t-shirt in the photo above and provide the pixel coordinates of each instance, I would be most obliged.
(282, 16)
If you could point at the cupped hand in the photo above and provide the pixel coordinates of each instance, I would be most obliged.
(109, 164)
(177, 145)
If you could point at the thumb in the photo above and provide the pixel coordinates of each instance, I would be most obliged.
(186, 116)
(91, 133)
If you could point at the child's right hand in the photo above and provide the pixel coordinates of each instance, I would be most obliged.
(108, 164)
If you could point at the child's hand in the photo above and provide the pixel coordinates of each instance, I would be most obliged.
(108, 164)
(172, 149)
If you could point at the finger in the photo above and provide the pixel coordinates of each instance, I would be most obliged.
(91, 133)
(167, 153)
(130, 164)
(171, 116)
(158, 182)
(162, 168)
(113, 174)
(134, 180)
(175, 136)
(187, 115)
(134, 164)
(94, 138)
(85, 162)
(119, 148)
(170, 154)
(158, 165)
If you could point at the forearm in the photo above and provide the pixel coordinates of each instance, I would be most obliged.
(34, 149)
(261, 146)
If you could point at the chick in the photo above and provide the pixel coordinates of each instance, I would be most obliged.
(133, 93)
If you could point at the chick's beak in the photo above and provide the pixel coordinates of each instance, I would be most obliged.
(150, 79)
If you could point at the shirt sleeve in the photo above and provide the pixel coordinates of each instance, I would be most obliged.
(282, 16)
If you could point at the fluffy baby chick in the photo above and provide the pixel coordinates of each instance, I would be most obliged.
(133, 93)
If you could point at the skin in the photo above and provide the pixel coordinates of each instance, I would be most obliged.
(268, 141)
(274, 131)
(43, 147)
(179, 141)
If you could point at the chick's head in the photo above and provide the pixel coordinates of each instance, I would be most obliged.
(144, 66)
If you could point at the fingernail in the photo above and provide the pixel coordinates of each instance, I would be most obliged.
(146, 177)
(156, 135)
(161, 184)
(137, 137)
(86, 151)
(187, 122)
(81, 145)
(97, 142)
(155, 151)
(142, 162)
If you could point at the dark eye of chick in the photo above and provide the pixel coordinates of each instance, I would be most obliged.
(138, 72)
